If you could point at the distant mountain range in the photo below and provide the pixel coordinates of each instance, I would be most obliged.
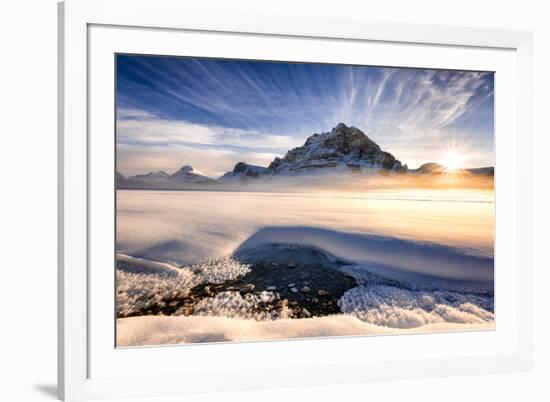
(244, 171)
(152, 177)
(436, 168)
(189, 175)
(342, 150)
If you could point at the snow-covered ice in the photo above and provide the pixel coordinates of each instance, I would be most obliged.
(185, 227)
(155, 330)
(142, 283)
(435, 256)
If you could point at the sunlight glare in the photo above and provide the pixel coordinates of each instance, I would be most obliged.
(452, 160)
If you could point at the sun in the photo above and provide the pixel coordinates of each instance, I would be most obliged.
(452, 160)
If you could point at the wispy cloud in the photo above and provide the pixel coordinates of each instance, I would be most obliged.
(249, 107)
(148, 129)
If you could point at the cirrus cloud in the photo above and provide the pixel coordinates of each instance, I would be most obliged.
(254, 107)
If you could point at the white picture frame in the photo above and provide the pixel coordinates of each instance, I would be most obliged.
(88, 367)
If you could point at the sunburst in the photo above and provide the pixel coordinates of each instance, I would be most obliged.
(453, 160)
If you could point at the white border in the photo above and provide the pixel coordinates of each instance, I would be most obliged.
(76, 355)
(105, 361)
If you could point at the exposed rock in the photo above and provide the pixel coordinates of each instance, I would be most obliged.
(249, 287)
(152, 177)
(183, 178)
(243, 172)
(343, 147)
(269, 285)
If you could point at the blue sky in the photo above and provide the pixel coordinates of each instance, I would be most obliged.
(174, 111)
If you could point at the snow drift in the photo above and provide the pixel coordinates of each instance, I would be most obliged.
(400, 255)
(138, 331)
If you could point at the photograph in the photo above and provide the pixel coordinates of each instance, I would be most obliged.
(251, 201)
(262, 200)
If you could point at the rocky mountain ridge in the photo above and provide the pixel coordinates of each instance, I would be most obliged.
(342, 147)
(343, 150)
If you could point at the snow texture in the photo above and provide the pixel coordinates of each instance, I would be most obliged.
(142, 284)
(188, 227)
(156, 330)
(389, 303)
(233, 305)
(416, 262)
(393, 307)
(427, 259)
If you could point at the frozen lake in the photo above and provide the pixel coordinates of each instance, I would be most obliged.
(185, 227)
(438, 241)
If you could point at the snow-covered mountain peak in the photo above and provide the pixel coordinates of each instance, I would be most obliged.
(343, 147)
(151, 177)
(243, 171)
(159, 173)
(189, 175)
(187, 169)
